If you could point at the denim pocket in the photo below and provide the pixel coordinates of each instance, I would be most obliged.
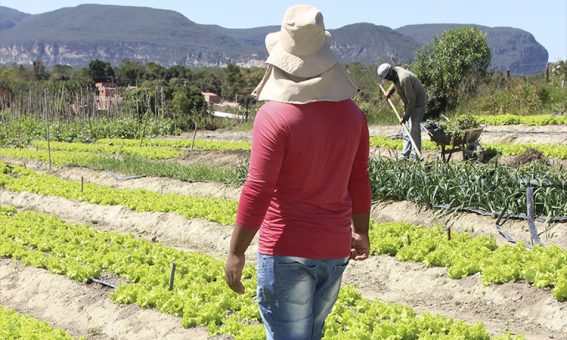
(339, 269)
(295, 282)
(332, 287)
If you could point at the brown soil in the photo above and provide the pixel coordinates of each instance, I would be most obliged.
(529, 156)
(517, 134)
(548, 134)
(226, 135)
(167, 228)
(517, 307)
(215, 158)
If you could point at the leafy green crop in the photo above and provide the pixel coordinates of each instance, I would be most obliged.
(14, 325)
(456, 127)
(200, 295)
(210, 208)
(464, 255)
(134, 165)
(182, 143)
(111, 149)
(535, 120)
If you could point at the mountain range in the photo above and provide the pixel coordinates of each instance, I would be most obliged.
(76, 35)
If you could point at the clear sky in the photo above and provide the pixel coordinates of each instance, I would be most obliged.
(545, 19)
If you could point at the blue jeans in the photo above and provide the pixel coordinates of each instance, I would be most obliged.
(296, 294)
(414, 128)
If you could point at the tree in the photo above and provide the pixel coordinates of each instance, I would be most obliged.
(208, 79)
(189, 103)
(153, 71)
(100, 71)
(39, 70)
(233, 82)
(364, 76)
(177, 71)
(451, 68)
(61, 72)
(129, 72)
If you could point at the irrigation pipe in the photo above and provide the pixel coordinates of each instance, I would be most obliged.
(403, 125)
(104, 283)
(120, 178)
(481, 212)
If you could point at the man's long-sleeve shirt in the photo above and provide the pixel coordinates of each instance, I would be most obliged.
(411, 91)
(308, 174)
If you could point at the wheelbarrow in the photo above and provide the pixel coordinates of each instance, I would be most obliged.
(468, 143)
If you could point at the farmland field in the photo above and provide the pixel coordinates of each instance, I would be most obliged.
(524, 298)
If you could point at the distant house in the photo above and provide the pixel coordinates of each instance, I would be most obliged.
(211, 98)
(106, 96)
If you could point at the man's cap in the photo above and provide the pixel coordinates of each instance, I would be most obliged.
(383, 70)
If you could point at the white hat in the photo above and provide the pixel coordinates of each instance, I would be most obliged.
(302, 47)
(383, 70)
(304, 67)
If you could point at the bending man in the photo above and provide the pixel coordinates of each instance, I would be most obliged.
(414, 98)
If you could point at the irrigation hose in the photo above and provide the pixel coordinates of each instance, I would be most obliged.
(559, 219)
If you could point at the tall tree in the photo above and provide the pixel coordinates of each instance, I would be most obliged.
(451, 68)
(100, 71)
(39, 70)
(233, 82)
(129, 72)
(61, 72)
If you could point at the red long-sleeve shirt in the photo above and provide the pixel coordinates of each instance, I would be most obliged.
(308, 174)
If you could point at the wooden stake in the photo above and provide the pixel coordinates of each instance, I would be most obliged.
(171, 276)
(46, 108)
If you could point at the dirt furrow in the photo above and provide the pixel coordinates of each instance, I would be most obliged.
(168, 228)
(515, 134)
(517, 307)
(83, 309)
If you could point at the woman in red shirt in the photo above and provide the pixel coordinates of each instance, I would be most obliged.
(307, 189)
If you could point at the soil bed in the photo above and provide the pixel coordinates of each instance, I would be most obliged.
(83, 309)
(516, 306)
(547, 134)
(516, 134)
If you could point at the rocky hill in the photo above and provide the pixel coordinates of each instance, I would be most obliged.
(511, 48)
(77, 35)
(10, 17)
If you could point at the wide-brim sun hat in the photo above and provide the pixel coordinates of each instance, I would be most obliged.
(302, 47)
(298, 53)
